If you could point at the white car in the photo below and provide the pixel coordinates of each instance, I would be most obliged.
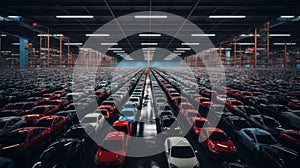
(96, 120)
(180, 153)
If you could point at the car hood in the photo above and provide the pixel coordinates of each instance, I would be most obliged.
(184, 162)
(128, 118)
(107, 156)
(224, 146)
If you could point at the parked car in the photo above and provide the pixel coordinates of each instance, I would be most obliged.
(278, 157)
(255, 138)
(291, 118)
(64, 152)
(266, 123)
(232, 124)
(96, 120)
(198, 123)
(8, 124)
(217, 144)
(291, 138)
(112, 151)
(23, 142)
(180, 153)
(56, 124)
(80, 132)
(6, 162)
(123, 126)
(70, 115)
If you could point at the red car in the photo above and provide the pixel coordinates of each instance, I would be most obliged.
(22, 142)
(41, 111)
(185, 106)
(123, 126)
(291, 138)
(106, 110)
(231, 92)
(57, 124)
(60, 104)
(40, 90)
(198, 124)
(294, 104)
(59, 93)
(243, 95)
(208, 93)
(17, 109)
(48, 96)
(231, 103)
(112, 151)
(217, 144)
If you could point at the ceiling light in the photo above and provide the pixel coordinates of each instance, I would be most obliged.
(243, 43)
(149, 43)
(178, 51)
(15, 43)
(73, 44)
(280, 35)
(109, 44)
(97, 35)
(284, 43)
(75, 17)
(190, 44)
(119, 51)
(149, 49)
(44, 35)
(113, 49)
(150, 17)
(149, 35)
(203, 35)
(3, 35)
(183, 48)
(227, 17)
(287, 17)
(58, 35)
(249, 35)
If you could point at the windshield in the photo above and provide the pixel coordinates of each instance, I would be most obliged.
(53, 103)
(265, 139)
(113, 145)
(218, 136)
(191, 114)
(63, 114)
(240, 124)
(15, 138)
(28, 106)
(37, 111)
(89, 120)
(271, 123)
(186, 106)
(236, 103)
(182, 152)
(127, 113)
(2, 124)
(199, 124)
(76, 133)
(121, 128)
(44, 123)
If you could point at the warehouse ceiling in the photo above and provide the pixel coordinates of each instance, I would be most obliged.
(44, 12)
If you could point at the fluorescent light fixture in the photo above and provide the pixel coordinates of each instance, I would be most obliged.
(73, 44)
(109, 44)
(183, 49)
(3, 35)
(284, 43)
(74, 17)
(249, 35)
(243, 43)
(151, 49)
(203, 35)
(150, 17)
(280, 35)
(227, 17)
(149, 35)
(97, 35)
(58, 35)
(149, 43)
(178, 51)
(44, 35)
(190, 44)
(287, 17)
(114, 49)
(119, 51)
(15, 43)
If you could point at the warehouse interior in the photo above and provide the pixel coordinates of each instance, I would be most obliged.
(148, 83)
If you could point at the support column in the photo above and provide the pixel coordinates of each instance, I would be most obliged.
(255, 47)
(285, 54)
(23, 53)
(234, 52)
(60, 51)
(48, 45)
(220, 53)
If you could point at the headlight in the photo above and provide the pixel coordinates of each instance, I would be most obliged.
(96, 159)
(173, 166)
(120, 158)
(234, 149)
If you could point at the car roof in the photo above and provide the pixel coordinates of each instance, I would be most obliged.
(257, 131)
(93, 115)
(213, 129)
(121, 123)
(116, 135)
(8, 118)
(178, 141)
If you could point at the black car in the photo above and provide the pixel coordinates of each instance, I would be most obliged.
(65, 152)
(79, 132)
(278, 157)
(232, 124)
(70, 115)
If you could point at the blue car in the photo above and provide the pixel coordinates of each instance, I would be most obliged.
(128, 114)
(254, 138)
